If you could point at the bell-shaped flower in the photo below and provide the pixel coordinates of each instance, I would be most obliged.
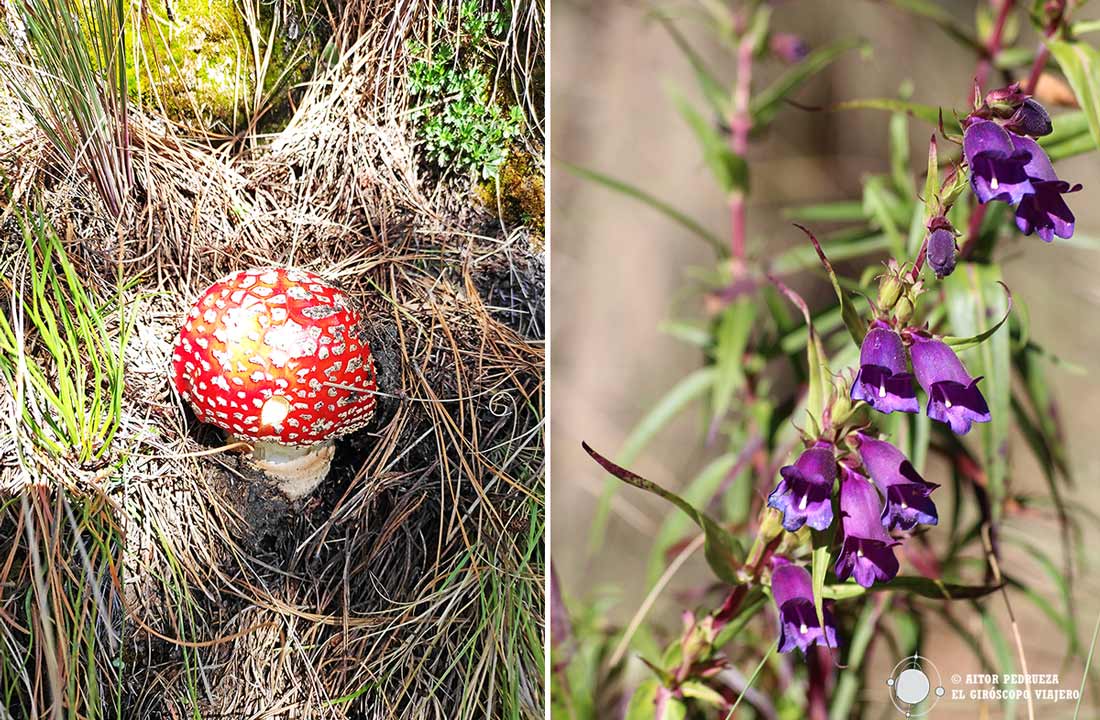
(867, 552)
(792, 591)
(997, 166)
(908, 500)
(884, 381)
(1044, 211)
(804, 495)
(953, 396)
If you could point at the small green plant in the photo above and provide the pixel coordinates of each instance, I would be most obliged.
(71, 402)
(66, 63)
(462, 127)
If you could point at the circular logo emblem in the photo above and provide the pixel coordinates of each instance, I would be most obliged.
(911, 686)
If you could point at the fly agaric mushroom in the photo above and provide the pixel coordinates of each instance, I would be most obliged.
(274, 356)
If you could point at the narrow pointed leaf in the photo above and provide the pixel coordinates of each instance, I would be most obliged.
(767, 102)
(723, 551)
(631, 191)
(1081, 64)
(964, 343)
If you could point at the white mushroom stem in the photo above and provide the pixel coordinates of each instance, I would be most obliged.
(297, 468)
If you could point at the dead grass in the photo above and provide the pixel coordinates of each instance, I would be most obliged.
(410, 585)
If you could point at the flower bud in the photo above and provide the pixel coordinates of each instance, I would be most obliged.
(789, 48)
(903, 310)
(889, 290)
(941, 251)
(1003, 102)
(1031, 119)
(841, 408)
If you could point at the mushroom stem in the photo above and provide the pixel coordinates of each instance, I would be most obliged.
(297, 468)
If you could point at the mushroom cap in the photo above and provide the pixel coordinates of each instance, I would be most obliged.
(276, 354)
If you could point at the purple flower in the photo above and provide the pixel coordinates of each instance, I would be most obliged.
(953, 396)
(884, 381)
(792, 591)
(804, 493)
(907, 493)
(997, 166)
(941, 251)
(1044, 211)
(867, 553)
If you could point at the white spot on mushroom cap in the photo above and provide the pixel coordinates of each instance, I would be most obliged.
(274, 411)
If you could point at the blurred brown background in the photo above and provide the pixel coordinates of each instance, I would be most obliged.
(619, 270)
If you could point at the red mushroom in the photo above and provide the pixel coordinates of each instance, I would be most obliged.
(274, 356)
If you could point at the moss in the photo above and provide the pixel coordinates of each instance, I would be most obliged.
(198, 56)
(522, 200)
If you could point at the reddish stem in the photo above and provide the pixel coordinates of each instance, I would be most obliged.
(1037, 68)
(985, 64)
(819, 661)
(740, 124)
(921, 254)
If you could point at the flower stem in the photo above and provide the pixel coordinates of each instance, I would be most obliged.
(985, 64)
(740, 124)
(1037, 68)
(981, 74)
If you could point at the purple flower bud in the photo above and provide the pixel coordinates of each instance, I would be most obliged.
(867, 553)
(997, 167)
(1030, 118)
(789, 48)
(941, 252)
(804, 494)
(907, 493)
(953, 396)
(792, 590)
(884, 381)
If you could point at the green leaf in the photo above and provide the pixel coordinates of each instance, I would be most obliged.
(932, 180)
(840, 211)
(698, 690)
(766, 103)
(848, 685)
(819, 567)
(1081, 64)
(928, 113)
(697, 493)
(945, 20)
(857, 328)
(712, 88)
(723, 551)
(964, 343)
(645, 198)
(819, 377)
(643, 704)
(734, 325)
(729, 169)
(900, 166)
(754, 600)
(879, 203)
(975, 294)
(913, 585)
(844, 246)
(673, 402)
